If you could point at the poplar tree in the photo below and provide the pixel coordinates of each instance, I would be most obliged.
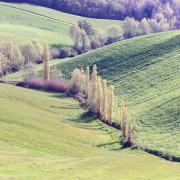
(123, 119)
(129, 133)
(86, 80)
(94, 89)
(94, 80)
(108, 103)
(104, 94)
(126, 127)
(111, 103)
(82, 80)
(46, 58)
(98, 99)
(100, 90)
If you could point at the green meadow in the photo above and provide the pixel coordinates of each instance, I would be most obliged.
(24, 22)
(145, 73)
(48, 136)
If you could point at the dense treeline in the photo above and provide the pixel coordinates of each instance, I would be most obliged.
(160, 10)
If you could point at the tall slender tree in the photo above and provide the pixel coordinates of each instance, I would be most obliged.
(126, 127)
(123, 119)
(46, 58)
(111, 103)
(104, 101)
(87, 80)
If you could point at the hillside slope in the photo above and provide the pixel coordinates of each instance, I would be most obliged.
(24, 22)
(48, 136)
(146, 74)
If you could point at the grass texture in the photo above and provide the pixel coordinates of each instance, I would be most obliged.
(48, 136)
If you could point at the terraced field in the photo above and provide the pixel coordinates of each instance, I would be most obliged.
(24, 22)
(40, 139)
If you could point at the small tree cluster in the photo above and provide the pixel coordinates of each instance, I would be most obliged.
(11, 58)
(32, 52)
(14, 57)
(126, 127)
(100, 96)
(80, 39)
(85, 38)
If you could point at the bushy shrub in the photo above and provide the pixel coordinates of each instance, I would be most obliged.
(55, 54)
(51, 85)
(12, 54)
(57, 85)
(72, 90)
(29, 71)
(35, 83)
(32, 52)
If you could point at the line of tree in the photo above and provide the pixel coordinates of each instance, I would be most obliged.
(99, 100)
(115, 9)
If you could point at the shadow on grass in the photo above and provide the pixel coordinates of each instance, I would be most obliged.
(85, 117)
(60, 95)
(63, 107)
(108, 144)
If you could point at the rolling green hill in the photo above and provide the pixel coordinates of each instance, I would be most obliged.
(25, 22)
(41, 139)
(146, 74)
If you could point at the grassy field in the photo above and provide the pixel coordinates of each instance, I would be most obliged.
(145, 72)
(24, 22)
(41, 139)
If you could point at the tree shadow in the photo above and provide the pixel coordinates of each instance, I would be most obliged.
(63, 107)
(108, 144)
(85, 117)
(59, 96)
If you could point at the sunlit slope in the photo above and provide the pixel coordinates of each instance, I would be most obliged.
(48, 136)
(24, 22)
(146, 74)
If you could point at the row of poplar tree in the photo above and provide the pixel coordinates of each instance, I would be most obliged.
(100, 100)
(99, 97)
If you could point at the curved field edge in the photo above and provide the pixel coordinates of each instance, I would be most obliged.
(48, 136)
(24, 20)
(145, 73)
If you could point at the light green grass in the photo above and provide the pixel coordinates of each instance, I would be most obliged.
(24, 22)
(146, 74)
(48, 136)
